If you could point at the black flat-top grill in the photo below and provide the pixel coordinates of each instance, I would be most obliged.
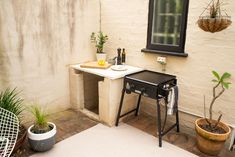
(151, 84)
(151, 77)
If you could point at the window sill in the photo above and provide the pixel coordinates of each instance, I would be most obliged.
(165, 52)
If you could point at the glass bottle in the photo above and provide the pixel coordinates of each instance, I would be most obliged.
(123, 56)
(119, 58)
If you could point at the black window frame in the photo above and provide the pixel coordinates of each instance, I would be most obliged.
(167, 49)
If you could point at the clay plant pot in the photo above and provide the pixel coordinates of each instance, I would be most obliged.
(210, 143)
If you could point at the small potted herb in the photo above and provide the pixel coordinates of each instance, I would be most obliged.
(99, 39)
(41, 135)
(211, 133)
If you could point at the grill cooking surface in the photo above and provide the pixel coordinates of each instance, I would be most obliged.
(148, 83)
(150, 77)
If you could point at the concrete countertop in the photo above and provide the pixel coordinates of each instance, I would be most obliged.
(109, 73)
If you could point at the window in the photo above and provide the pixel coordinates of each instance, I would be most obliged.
(167, 26)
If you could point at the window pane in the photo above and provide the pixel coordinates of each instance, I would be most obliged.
(167, 18)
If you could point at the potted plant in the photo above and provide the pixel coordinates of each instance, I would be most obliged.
(99, 39)
(41, 135)
(10, 100)
(214, 21)
(212, 134)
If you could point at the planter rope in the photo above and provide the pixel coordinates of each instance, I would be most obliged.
(214, 24)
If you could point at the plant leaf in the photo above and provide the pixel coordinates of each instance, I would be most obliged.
(225, 76)
(214, 80)
(226, 85)
(216, 75)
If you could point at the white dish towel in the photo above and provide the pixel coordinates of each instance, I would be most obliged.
(172, 100)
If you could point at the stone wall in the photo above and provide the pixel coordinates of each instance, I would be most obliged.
(38, 40)
(125, 22)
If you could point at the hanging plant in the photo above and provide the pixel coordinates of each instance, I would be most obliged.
(215, 21)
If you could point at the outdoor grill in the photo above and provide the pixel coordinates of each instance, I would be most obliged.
(150, 84)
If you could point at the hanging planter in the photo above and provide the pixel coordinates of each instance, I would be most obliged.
(215, 22)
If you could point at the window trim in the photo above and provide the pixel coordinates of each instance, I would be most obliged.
(154, 48)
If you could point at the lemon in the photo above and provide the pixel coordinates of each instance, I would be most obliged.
(101, 62)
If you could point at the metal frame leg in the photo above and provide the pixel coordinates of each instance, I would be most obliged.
(120, 107)
(177, 114)
(159, 123)
(138, 105)
(177, 120)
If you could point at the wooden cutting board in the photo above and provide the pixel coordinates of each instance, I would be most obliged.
(95, 64)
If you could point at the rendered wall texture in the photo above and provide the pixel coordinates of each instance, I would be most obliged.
(125, 22)
(38, 40)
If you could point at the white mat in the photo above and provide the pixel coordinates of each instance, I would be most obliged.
(122, 141)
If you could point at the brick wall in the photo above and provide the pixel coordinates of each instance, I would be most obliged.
(125, 22)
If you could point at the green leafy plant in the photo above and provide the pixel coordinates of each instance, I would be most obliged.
(220, 82)
(40, 123)
(10, 100)
(214, 9)
(99, 39)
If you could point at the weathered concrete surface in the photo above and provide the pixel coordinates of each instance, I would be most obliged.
(126, 24)
(38, 39)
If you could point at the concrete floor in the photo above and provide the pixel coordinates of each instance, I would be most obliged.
(70, 123)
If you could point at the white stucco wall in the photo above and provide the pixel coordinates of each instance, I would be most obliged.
(125, 22)
(38, 39)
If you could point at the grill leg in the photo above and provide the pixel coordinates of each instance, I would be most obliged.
(177, 114)
(177, 120)
(120, 107)
(138, 105)
(159, 123)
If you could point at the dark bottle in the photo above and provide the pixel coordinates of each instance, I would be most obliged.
(123, 56)
(119, 58)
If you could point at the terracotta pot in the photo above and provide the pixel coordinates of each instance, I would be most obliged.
(210, 143)
(20, 140)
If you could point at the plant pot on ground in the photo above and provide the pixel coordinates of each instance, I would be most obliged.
(99, 39)
(41, 135)
(211, 134)
(11, 101)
